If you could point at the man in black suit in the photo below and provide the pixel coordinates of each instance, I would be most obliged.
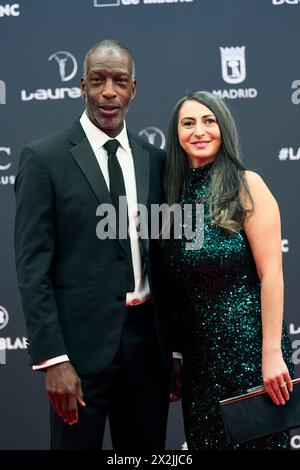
(92, 305)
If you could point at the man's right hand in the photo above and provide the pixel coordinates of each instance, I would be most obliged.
(64, 389)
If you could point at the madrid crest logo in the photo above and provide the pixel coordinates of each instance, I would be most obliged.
(233, 64)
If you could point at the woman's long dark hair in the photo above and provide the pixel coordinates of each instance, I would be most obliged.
(226, 207)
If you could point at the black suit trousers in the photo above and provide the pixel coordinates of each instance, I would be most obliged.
(133, 393)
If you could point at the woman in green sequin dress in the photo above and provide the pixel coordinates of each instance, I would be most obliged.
(229, 293)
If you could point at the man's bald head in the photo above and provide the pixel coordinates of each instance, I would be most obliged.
(114, 47)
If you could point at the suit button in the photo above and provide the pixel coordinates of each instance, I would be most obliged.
(120, 297)
(121, 258)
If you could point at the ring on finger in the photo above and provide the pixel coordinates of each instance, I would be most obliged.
(282, 384)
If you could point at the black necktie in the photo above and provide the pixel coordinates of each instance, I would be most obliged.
(117, 189)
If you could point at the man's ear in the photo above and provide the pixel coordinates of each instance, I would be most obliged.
(82, 86)
(133, 90)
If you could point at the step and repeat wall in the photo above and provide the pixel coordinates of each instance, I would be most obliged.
(245, 51)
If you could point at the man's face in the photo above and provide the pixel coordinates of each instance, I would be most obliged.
(108, 88)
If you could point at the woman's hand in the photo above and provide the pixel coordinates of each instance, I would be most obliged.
(276, 377)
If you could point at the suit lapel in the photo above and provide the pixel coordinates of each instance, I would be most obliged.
(85, 158)
(142, 177)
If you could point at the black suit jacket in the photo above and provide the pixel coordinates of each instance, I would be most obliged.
(73, 285)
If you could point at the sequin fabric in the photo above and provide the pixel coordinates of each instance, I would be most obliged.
(217, 290)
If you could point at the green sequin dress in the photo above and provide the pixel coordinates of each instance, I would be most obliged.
(217, 290)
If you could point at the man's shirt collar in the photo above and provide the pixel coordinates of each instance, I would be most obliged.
(98, 138)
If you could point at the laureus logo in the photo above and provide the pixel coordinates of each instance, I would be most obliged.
(67, 67)
(233, 64)
(4, 317)
(154, 136)
(67, 64)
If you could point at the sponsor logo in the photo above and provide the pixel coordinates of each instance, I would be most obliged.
(4, 317)
(151, 2)
(4, 166)
(7, 151)
(130, 2)
(9, 10)
(5, 179)
(288, 2)
(289, 153)
(295, 330)
(233, 68)
(50, 94)
(8, 343)
(13, 343)
(106, 3)
(236, 93)
(2, 92)
(62, 57)
(2, 356)
(154, 136)
(296, 353)
(285, 246)
(116, 3)
(295, 97)
(233, 64)
(67, 67)
(295, 442)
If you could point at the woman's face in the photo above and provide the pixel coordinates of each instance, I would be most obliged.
(199, 133)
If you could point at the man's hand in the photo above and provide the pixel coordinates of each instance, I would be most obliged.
(64, 389)
(176, 383)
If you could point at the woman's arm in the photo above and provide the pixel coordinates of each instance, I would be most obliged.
(263, 230)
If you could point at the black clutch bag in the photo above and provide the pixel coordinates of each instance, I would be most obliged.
(254, 415)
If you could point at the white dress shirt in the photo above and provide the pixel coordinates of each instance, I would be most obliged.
(97, 139)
